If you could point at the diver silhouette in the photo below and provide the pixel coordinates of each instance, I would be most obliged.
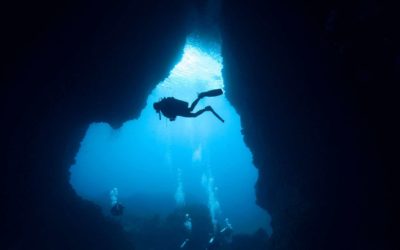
(171, 107)
(188, 231)
(221, 238)
(117, 209)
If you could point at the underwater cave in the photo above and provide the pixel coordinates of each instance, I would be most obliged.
(157, 167)
(308, 102)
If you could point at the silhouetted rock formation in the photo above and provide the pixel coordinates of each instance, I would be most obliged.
(88, 61)
(311, 84)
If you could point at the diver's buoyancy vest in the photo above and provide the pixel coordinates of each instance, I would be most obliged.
(172, 107)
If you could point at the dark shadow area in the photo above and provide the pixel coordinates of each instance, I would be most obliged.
(313, 84)
(68, 64)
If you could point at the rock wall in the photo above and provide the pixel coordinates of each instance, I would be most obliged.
(311, 83)
(66, 67)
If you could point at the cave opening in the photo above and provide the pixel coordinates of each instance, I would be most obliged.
(156, 167)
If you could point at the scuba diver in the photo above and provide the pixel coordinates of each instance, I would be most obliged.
(222, 237)
(171, 107)
(188, 230)
(227, 231)
(117, 209)
(215, 242)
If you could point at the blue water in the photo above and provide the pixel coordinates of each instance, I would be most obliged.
(158, 165)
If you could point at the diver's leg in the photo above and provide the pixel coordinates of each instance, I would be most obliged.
(201, 111)
(210, 93)
(196, 114)
(194, 104)
(209, 108)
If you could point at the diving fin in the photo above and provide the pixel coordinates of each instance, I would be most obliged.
(211, 93)
(209, 108)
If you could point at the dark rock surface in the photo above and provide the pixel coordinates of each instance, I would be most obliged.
(66, 67)
(313, 85)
